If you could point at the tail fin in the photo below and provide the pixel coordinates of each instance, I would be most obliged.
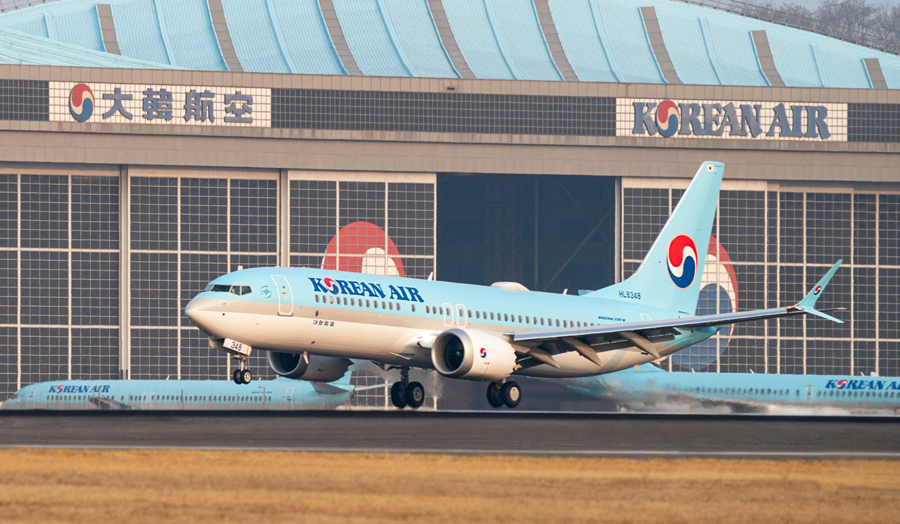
(669, 276)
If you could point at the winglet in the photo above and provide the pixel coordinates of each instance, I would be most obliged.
(808, 304)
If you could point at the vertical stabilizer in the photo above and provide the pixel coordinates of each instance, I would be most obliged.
(669, 276)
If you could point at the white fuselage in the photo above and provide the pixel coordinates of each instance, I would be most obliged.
(393, 320)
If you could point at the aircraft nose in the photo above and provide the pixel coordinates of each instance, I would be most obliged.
(199, 313)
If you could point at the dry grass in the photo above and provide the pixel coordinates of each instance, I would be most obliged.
(43, 486)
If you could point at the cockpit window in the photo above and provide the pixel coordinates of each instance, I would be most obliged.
(225, 288)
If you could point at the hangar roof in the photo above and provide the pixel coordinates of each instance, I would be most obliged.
(650, 41)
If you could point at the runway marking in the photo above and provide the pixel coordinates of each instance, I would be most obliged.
(553, 452)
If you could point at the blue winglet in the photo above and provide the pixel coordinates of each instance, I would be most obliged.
(808, 304)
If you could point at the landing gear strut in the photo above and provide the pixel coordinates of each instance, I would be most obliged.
(504, 393)
(242, 375)
(406, 393)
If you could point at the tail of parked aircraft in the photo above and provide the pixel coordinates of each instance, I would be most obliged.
(670, 275)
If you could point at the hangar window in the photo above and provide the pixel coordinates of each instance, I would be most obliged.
(443, 112)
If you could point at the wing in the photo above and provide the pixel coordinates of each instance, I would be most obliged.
(642, 335)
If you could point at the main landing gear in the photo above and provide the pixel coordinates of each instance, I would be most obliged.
(506, 393)
(242, 375)
(406, 393)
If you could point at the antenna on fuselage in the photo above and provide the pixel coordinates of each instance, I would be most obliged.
(566, 291)
(430, 276)
(240, 268)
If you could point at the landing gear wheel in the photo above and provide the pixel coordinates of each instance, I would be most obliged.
(493, 395)
(415, 395)
(511, 394)
(235, 376)
(398, 395)
(245, 376)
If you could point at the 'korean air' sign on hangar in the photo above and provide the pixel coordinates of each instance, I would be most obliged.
(731, 120)
(155, 104)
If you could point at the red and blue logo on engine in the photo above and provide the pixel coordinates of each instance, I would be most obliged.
(667, 118)
(483, 353)
(682, 261)
(81, 102)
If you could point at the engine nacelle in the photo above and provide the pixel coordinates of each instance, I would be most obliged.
(472, 354)
(313, 368)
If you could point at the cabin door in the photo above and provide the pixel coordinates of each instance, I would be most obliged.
(289, 397)
(285, 295)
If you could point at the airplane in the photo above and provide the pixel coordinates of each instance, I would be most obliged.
(312, 321)
(278, 394)
(649, 388)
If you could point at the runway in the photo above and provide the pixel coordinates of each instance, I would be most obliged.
(466, 433)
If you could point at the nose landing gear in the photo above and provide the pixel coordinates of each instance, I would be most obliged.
(406, 393)
(242, 375)
(504, 393)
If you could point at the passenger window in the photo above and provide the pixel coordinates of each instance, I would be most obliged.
(317, 299)
(367, 303)
(492, 315)
(520, 319)
(505, 317)
(542, 321)
(428, 310)
(557, 322)
(413, 306)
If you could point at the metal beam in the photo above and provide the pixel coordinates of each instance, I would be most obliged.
(446, 33)
(337, 37)
(552, 37)
(654, 33)
(876, 75)
(766, 62)
(226, 46)
(108, 29)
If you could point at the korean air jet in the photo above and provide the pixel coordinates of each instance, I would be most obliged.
(279, 394)
(312, 321)
(649, 388)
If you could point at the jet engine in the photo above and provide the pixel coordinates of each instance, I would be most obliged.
(472, 354)
(313, 368)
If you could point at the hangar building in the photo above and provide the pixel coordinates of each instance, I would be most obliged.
(147, 146)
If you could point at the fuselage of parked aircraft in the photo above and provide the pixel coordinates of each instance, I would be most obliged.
(649, 388)
(278, 394)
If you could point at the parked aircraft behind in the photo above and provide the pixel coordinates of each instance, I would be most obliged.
(311, 321)
(649, 388)
(278, 394)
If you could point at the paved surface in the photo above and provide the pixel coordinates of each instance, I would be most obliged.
(501, 433)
